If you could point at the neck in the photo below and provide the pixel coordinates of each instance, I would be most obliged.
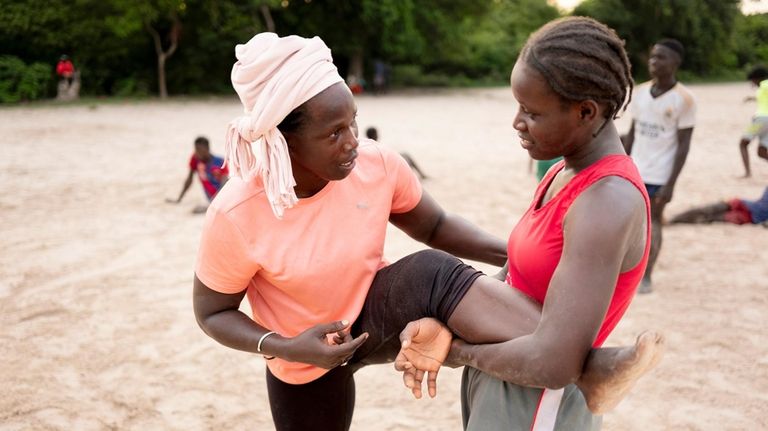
(606, 143)
(308, 192)
(664, 83)
(307, 184)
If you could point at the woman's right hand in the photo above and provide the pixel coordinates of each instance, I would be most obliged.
(312, 346)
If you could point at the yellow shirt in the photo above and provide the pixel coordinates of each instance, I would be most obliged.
(762, 99)
(317, 263)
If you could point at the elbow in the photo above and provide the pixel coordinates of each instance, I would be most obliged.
(201, 320)
(201, 315)
(560, 378)
(557, 369)
(429, 234)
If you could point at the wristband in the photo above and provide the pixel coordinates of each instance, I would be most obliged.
(261, 340)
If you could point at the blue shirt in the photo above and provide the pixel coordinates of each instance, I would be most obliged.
(759, 208)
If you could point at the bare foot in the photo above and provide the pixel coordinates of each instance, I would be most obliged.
(611, 372)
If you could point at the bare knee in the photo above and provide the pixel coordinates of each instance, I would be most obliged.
(744, 143)
(762, 152)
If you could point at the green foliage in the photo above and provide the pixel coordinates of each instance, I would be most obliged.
(34, 83)
(19, 81)
(749, 41)
(411, 75)
(499, 36)
(703, 26)
(130, 87)
(426, 42)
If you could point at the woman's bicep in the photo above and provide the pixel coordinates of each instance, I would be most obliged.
(225, 258)
(595, 245)
(422, 220)
(207, 302)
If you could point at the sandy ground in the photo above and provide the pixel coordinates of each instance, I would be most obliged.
(95, 269)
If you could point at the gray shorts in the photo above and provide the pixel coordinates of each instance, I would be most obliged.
(490, 404)
(758, 128)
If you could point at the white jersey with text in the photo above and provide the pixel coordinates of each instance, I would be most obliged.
(657, 120)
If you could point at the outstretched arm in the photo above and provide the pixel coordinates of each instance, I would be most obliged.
(187, 183)
(430, 224)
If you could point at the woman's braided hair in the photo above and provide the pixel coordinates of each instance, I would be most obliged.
(582, 59)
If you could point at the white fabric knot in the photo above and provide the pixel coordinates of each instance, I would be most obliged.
(273, 76)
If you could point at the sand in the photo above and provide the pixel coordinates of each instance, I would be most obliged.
(96, 269)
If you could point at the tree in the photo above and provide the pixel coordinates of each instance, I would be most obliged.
(703, 26)
(161, 19)
(749, 36)
(393, 30)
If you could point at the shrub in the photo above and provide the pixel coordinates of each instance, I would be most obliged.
(19, 81)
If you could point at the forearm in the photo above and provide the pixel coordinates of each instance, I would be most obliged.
(234, 329)
(680, 156)
(184, 189)
(465, 240)
(521, 361)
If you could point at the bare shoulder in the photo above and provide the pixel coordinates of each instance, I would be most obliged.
(612, 200)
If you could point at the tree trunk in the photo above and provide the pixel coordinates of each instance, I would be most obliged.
(163, 55)
(356, 64)
(267, 15)
(162, 88)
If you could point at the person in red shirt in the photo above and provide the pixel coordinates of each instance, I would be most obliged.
(581, 262)
(65, 69)
(210, 170)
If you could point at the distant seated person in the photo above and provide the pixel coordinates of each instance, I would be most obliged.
(737, 211)
(65, 69)
(372, 133)
(209, 169)
(356, 85)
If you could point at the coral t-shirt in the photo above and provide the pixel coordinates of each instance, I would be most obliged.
(536, 244)
(317, 263)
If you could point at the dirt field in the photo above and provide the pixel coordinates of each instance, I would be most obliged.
(95, 269)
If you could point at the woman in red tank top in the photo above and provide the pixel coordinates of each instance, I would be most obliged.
(582, 246)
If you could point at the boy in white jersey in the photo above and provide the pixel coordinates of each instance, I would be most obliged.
(663, 116)
(758, 128)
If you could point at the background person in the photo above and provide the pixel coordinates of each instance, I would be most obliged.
(758, 128)
(736, 211)
(663, 115)
(209, 169)
(65, 69)
(372, 133)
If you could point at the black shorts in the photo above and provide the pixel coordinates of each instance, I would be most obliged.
(428, 283)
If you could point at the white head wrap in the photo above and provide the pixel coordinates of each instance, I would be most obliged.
(273, 76)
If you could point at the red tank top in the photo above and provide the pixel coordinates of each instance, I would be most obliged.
(536, 243)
